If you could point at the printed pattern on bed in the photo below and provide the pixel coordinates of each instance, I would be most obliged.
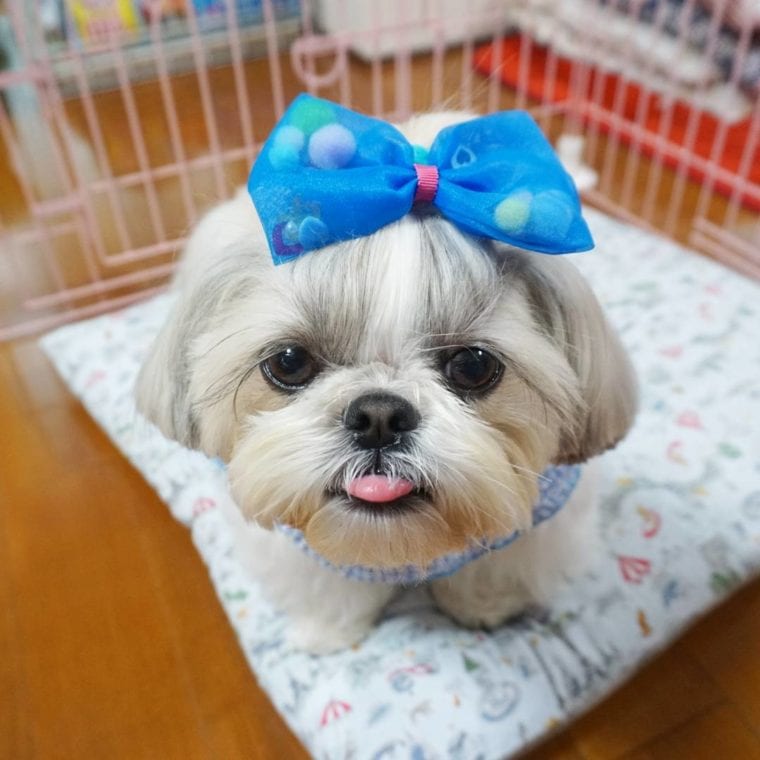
(680, 527)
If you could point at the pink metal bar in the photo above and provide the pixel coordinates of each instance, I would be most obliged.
(694, 120)
(549, 85)
(395, 26)
(467, 72)
(138, 142)
(377, 68)
(146, 252)
(34, 326)
(685, 18)
(28, 235)
(522, 75)
(605, 16)
(33, 74)
(614, 143)
(748, 248)
(207, 104)
(15, 11)
(579, 85)
(436, 64)
(495, 18)
(719, 141)
(684, 158)
(402, 68)
(645, 98)
(52, 114)
(130, 180)
(74, 54)
(273, 53)
(745, 165)
(100, 287)
(303, 52)
(344, 78)
(754, 236)
(731, 258)
(602, 201)
(170, 170)
(170, 111)
(494, 77)
(20, 277)
(27, 191)
(308, 64)
(241, 89)
(87, 229)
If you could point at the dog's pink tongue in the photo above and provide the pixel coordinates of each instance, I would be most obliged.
(379, 488)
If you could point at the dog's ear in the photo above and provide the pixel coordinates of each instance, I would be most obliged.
(566, 308)
(220, 263)
(162, 388)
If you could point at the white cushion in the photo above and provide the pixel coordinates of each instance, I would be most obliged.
(680, 527)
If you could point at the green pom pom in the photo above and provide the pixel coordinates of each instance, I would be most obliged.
(420, 154)
(512, 214)
(309, 116)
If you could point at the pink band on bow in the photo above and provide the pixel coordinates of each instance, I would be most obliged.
(427, 183)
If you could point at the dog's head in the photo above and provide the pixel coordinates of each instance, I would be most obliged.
(394, 397)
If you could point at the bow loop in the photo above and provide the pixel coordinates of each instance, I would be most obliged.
(327, 174)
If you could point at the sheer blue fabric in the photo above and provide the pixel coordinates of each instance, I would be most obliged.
(327, 174)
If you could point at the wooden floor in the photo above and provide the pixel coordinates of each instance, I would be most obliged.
(113, 644)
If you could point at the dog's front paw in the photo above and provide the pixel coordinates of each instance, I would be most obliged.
(479, 610)
(318, 637)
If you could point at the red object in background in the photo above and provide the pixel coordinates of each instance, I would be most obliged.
(654, 111)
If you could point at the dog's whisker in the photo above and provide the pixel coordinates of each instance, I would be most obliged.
(227, 338)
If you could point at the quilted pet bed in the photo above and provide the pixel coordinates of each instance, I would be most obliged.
(680, 528)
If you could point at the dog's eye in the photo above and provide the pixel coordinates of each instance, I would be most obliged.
(291, 369)
(472, 370)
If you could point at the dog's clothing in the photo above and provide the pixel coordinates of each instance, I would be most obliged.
(328, 174)
(556, 486)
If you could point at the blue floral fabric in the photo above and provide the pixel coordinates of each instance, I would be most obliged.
(328, 174)
(555, 487)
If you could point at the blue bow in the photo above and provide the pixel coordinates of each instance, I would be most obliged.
(328, 174)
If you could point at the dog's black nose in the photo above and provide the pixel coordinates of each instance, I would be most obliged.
(380, 419)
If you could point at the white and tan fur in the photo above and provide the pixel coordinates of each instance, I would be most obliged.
(377, 312)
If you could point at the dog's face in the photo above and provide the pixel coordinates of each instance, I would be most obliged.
(395, 397)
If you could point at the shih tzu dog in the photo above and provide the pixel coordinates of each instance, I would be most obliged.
(399, 400)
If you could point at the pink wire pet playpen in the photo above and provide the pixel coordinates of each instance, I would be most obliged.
(123, 120)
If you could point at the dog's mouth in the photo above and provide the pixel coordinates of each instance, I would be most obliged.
(381, 495)
(380, 490)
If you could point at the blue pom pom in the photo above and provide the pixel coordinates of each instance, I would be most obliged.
(331, 147)
(313, 233)
(289, 137)
(285, 152)
(552, 213)
(284, 157)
